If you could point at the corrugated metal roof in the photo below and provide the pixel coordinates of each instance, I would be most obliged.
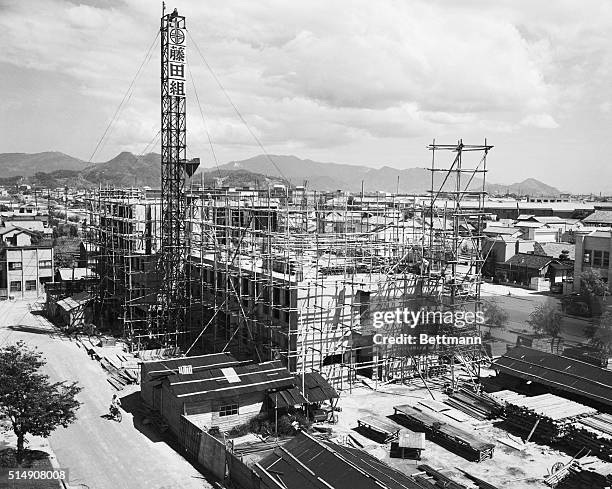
(169, 366)
(316, 388)
(287, 398)
(562, 373)
(211, 383)
(75, 301)
(330, 465)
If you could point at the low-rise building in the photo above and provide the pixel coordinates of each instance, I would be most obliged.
(593, 253)
(212, 391)
(26, 263)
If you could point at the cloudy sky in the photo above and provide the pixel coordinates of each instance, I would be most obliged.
(356, 81)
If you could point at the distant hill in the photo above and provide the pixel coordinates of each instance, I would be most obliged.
(27, 164)
(529, 186)
(334, 176)
(127, 169)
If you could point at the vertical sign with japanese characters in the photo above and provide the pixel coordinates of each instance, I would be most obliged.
(176, 61)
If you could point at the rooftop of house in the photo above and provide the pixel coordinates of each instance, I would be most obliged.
(505, 230)
(599, 217)
(528, 260)
(554, 250)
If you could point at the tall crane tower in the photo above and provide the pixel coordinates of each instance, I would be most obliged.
(175, 168)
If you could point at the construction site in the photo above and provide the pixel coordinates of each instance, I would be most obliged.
(234, 310)
(296, 275)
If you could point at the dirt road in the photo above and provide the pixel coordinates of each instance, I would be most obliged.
(99, 453)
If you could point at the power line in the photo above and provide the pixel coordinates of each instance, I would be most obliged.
(212, 149)
(236, 109)
(126, 96)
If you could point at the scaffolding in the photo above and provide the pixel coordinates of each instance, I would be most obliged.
(122, 242)
(305, 276)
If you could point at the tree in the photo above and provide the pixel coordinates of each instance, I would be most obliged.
(33, 405)
(593, 286)
(545, 319)
(494, 315)
(600, 336)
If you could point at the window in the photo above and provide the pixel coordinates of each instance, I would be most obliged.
(15, 286)
(587, 257)
(228, 410)
(597, 258)
(605, 262)
(45, 264)
(14, 265)
(364, 304)
(30, 285)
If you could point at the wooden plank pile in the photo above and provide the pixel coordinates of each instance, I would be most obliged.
(122, 369)
(447, 435)
(477, 405)
(594, 433)
(381, 426)
(546, 418)
(592, 478)
(437, 478)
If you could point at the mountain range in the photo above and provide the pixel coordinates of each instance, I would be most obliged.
(53, 169)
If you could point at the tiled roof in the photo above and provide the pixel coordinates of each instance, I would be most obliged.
(554, 250)
(527, 260)
(604, 217)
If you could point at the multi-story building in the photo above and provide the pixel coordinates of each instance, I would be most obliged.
(26, 263)
(593, 253)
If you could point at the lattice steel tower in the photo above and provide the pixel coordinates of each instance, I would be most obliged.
(175, 168)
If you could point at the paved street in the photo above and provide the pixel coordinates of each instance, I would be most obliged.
(99, 453)
(519, 305)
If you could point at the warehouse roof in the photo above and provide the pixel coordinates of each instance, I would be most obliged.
(227, 381)
(562, 373)
(306, 463)
(164, 368)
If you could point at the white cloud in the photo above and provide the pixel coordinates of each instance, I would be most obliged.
(324, 75)
(541, 121)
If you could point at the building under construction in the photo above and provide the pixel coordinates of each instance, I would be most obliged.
(302, 276)
(312, 279)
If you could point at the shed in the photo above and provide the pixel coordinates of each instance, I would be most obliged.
(223, 393)
(72, 310)
(558, 372)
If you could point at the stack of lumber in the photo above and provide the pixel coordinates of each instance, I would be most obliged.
(546, 418)
(479, 406)
(593, 433)
(122, 368)
(478, 481)
(437, 478)
(146, 355)
(591, 478)
(452, 437)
